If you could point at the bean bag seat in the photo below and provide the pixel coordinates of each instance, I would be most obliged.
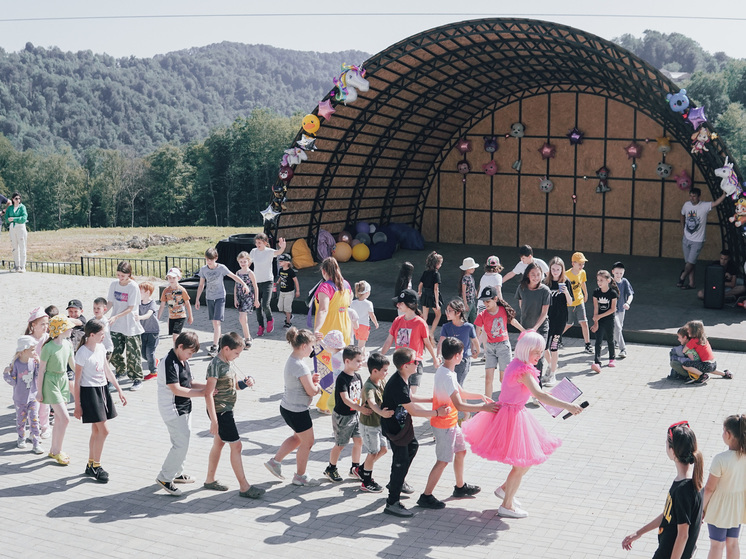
(325, 244)
(383, 250)
(302, 257)
(409, 238)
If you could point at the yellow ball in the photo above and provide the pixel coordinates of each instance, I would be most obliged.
(360, 252)
(342, 252)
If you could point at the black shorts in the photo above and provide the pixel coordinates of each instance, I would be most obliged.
(298, 421)
(96, 403)
(176, 325)
(227, 430)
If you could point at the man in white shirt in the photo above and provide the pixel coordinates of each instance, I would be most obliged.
(694, 222)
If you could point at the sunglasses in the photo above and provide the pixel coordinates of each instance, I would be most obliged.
(672, 427)
(411, 362)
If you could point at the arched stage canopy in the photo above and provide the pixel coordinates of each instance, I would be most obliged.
(390, 156)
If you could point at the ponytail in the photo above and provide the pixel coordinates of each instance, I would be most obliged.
(699, 470)
(683, 442)
(736, 426)
(93, 326)
(296, 338)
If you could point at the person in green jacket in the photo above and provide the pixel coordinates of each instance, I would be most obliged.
(16, 216)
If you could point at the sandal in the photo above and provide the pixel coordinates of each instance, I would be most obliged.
(61, 458)
(215, 486)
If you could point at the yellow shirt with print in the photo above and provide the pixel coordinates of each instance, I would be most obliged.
(577, 282)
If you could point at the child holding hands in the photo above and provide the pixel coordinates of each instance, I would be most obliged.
(176, 298)
(604, 307)
(374, 442)
(21, 374)
(245, 302)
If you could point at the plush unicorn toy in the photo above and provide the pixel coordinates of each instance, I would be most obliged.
(293, 156)
(350, 81)
(729, 181)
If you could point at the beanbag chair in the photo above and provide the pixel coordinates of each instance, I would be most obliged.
(383, 250)
(325, 244)
(301, 255)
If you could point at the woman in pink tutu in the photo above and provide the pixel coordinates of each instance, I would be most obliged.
(512, 435)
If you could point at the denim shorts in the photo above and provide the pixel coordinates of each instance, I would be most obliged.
(719, 534)
(345, 427)
(373, 439)
(216, 309)
(497, 353)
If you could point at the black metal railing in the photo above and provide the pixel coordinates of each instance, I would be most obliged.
(107, 267)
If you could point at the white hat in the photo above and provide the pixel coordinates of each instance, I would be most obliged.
(469, 264)
(333, 340)
(25, 342)
(175, 272)
(366, 287)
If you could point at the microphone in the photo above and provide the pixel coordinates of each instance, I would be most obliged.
(583, 405)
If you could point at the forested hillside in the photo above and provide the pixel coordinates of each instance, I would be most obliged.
(55, 99)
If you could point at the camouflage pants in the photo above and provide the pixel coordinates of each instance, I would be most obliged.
(131, 346)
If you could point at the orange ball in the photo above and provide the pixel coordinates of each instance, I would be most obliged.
(342, 252)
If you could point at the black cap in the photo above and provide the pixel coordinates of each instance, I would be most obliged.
(407, 296)
(488, 292)
(284, 257)
(75, 303)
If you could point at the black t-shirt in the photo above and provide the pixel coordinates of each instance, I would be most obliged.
(395, 395)
(683, 506)
(730, 267)
(176, 373)
(353, 385)
(285, 280)
(606, 301)
(558, 303)
(429, 279)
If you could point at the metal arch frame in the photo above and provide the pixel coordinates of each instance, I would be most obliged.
(618, 72)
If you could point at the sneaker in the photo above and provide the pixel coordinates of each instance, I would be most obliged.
(727, 374)
(287, 324)
(305, 481)
(333, 474)
(62, 459)
(21, 443)
(397, 509)
(371, 487)
(612, 363)
(500, 494)
(551, 381)
(110, 387)
(701, 379)
(596, 368)
(405, 488)
(46, 433)
(169, 487)
(253, 492)
(588, 348)
(150, 376)
(275, 468)
(512, 513)
(430, 502)
(466, 490)
(270, 326)
(137, 385)
(247, 343)
(184, 478)
(260, 332)
(38, 449)
(622, 355)
(97, 472)
(356, 472)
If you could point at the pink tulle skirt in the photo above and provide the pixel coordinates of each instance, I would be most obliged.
(511, 436)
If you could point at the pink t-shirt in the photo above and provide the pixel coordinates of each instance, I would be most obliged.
(494, 325)
(410, 333)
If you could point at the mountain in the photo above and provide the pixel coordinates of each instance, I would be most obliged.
(50, 99)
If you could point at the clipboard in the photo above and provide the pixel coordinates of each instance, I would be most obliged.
(565, 390)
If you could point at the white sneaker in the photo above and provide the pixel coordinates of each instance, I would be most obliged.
(551, 380)
(46, 434)
(306, 481)
(500, 494)
(275, 468)
(38, 449)
(21, 442)
(514, 513)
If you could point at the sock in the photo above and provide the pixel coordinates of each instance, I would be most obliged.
(332, 466)
(277, 462)
(367, 475)
(355, 464)
(95, 464)
(90, 462)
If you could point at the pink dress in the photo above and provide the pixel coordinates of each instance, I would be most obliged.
(511, 435)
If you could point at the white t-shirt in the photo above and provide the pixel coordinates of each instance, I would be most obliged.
(263, 264)
(121, 297)
(695, 220)
(108, 344)
(363, 309)
(93, 363)
(521, 267)
(490, 279)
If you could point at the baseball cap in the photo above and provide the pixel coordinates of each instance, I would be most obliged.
(284, 257)
(75, 303)
(488, 292)
(579, 257)
(493, 261)
(174, 273)
(407, 296)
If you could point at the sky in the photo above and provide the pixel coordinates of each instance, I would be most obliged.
(143, 29)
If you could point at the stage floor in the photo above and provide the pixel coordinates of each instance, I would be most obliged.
(658, 310)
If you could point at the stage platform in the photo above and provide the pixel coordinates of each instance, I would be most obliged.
(658, 310)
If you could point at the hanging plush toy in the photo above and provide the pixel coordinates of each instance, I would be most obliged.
(678, 102)
(517, 130)
(490, 144)
(728, 180)
(664, 144)
(739, 218)
(546, 185)
(311, 124)
(699, 139)
(286, 173)
(664, 170)
(683, 180)
(490, 168)
(463, 167)
(603, 182)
